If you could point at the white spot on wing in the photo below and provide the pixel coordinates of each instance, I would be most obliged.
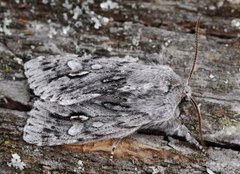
(97, 124)
(79, 74)
(75, 129)
(74, 65)
(210, 171)
(81, 117)
(211, 76)
(236, 23)
(96, 66)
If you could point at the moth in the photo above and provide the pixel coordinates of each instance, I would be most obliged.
(90, 98)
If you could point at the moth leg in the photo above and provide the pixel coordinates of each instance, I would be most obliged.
(173, 127)
(114, 146)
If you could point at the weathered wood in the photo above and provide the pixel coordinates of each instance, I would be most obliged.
(159, 32)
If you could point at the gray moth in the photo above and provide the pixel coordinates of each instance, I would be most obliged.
(86, 99)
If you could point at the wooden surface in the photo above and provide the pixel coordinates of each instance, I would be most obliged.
(154, 31)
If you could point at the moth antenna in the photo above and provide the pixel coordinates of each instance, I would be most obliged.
(199, 120)
(196, 49)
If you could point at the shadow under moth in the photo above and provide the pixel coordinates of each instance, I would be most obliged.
(86, 99)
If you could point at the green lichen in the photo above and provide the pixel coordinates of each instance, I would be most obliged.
(228, 122)
(6, 70)
(7, 142)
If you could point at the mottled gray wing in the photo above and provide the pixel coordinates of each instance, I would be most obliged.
(68, 79)
(85, 99)
(47, 126)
